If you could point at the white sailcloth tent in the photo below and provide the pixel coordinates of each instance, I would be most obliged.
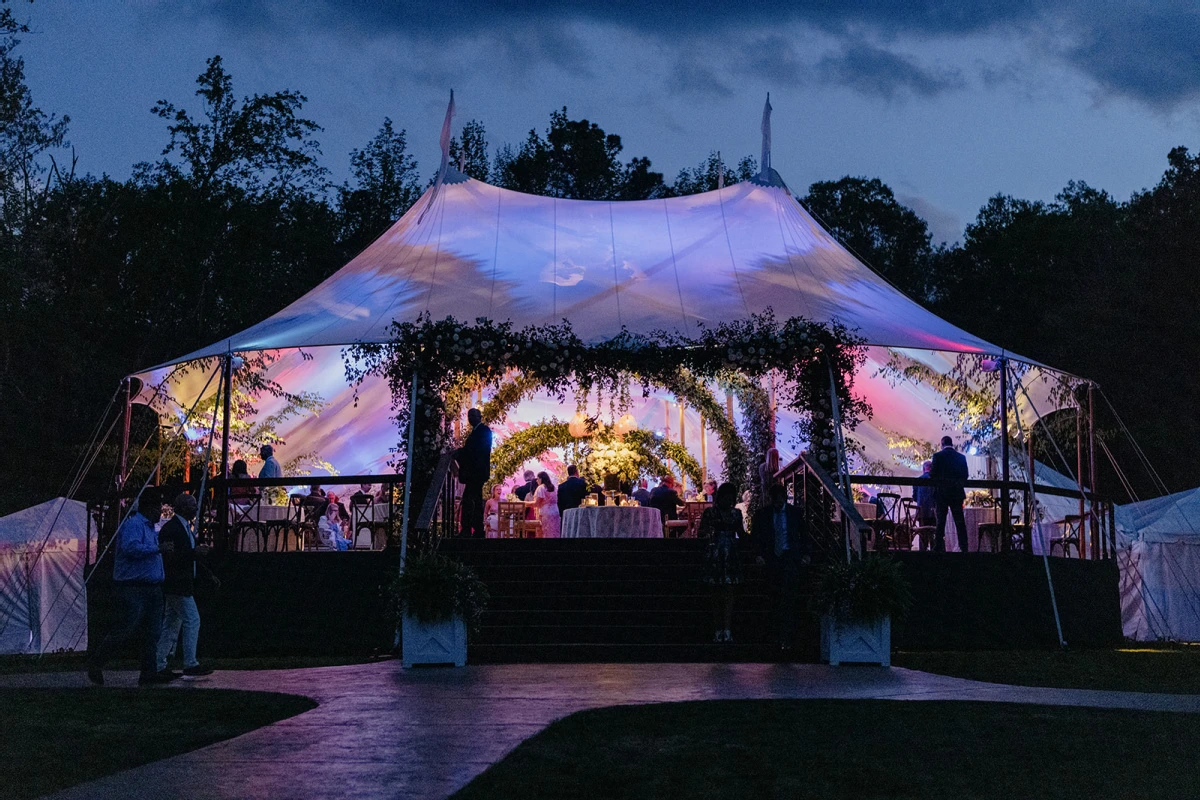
(468, 249)
(1159, 555)
(43, 607)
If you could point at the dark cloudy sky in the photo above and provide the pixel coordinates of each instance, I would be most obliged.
(947, 101)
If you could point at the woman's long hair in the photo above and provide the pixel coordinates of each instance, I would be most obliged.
(544, 480)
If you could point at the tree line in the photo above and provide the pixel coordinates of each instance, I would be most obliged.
(237, 217)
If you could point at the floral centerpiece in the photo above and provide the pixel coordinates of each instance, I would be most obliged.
(613, 457)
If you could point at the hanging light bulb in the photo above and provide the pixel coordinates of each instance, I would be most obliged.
(625, 424)
(578, 427)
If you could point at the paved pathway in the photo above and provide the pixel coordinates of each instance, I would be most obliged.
(381, 732)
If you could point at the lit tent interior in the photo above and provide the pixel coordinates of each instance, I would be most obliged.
(468, 249)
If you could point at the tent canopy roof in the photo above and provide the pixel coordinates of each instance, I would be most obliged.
(468, 249)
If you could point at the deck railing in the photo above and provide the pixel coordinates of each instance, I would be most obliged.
(836, 527)
(437, 518)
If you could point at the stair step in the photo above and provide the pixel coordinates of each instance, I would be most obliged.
(620, 603)
(638, 654)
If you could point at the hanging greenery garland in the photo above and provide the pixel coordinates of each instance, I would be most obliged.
(442, 354)
(651, 452)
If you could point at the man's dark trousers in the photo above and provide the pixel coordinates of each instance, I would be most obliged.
(785, 574)
(138, 604)
(472, 510)
(960, 526)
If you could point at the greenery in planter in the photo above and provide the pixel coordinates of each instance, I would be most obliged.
(862, 590)
(433, 589)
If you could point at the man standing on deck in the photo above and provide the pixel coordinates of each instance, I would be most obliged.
(950, 473)
(474, 468)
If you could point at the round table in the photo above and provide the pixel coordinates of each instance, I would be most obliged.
(612, 522)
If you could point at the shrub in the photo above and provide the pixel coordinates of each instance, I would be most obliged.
(862, 590)
(433, 588)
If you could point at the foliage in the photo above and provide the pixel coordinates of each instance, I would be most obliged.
(433, 588)
(862, 590)
(705, 177)
(261, 145)
(655, 451)
(442, 354)
(471, 151)
(576, 159)
(865, 216)
(913, 452)
(651, 452)
(386, 184)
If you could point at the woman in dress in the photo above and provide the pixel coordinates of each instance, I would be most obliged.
(330, 529)
(491, 513)
(721, 526)
(545, 500)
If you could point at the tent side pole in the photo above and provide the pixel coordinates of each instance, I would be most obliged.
(126, 413)
(1079, 474)
(1005, 508)
(404, 512)
(1031, 496)
(1099, 546)
(222, 494)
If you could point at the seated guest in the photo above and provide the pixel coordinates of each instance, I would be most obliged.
(642, 493)
(525, 491)
(239, 471)
(364, 495)
(710, 491)
(571, 491)
(331, 529)
(666, 499)
(491, 513)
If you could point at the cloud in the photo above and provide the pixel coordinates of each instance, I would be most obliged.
(693, 75)
(1146, 51)
(873, 71)
(1153, 57)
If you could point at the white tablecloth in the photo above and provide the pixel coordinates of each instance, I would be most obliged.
(612, 522)
(974, 517)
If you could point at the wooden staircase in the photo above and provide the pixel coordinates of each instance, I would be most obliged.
(614, 600)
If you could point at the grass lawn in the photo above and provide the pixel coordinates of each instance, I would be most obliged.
(55, 738)
(1174, 670)
(77, 662)
(860, 749)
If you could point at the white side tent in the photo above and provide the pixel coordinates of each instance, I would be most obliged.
(43, 607)
(1159, 555)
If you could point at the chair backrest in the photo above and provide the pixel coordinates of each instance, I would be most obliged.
(909, 510)
(360, 512)
(244, 510)
(511, 518)
(891, 505)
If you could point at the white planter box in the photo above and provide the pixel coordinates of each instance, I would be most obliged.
(440, 643)
(859, 643)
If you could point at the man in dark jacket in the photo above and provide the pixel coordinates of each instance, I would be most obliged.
(666, 499)
(571, 491)
(137, 583)
(950, 473)
(783, 546)
(179, 584)
(474, 468)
